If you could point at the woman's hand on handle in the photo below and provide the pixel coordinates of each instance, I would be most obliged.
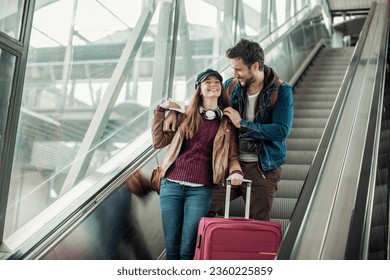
(236, 179)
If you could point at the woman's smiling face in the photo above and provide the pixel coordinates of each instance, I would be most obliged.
(211, 87)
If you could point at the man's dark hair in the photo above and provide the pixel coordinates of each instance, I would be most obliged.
(249, 51)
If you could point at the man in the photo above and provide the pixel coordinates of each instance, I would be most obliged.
(262, 110)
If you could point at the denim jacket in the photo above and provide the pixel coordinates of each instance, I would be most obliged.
(272, 124)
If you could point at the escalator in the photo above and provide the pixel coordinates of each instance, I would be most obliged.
(314, 96)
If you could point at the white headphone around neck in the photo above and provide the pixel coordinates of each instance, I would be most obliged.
(209, 114)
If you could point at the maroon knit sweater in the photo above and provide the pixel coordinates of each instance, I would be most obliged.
(194, 163)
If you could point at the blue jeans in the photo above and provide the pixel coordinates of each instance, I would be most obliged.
(182, 207)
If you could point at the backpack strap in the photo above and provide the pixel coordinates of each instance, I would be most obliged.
(274, 94)
(231, 87)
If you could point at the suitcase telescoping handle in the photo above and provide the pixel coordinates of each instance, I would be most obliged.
(248, 197)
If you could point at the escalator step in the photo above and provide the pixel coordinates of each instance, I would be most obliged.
(314, 97)
(313, 123)
(283, 207)
(377, 256)
(306, 132)
(312, 113)
(290, 188)
(340, 72)
(313, 105)
(294, 171)
(300, 157)
(313, 91)
(379, 214)
(283, 222)
(382, 176)
(323, 84)
(383, 159)
(379, 242)
(302, 144)
(323, 77)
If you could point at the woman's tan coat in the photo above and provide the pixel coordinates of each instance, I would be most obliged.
(225, 157)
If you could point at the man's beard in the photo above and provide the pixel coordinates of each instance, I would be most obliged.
(247, 83)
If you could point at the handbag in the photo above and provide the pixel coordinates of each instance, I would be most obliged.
(155, 178)
(138, 183)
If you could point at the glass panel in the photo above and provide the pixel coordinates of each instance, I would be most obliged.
(7, 67)
(300, 4)
(279, 13)
(69, 97)
(202, 43)
(10, 17)
(290, 11)
(255, 15)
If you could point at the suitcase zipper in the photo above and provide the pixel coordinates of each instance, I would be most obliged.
(267, 253)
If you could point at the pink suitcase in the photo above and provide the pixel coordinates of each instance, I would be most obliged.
(237, 238)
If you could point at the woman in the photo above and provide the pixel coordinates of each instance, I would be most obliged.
(202, 153)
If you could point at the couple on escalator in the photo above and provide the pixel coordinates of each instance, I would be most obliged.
(216, 138)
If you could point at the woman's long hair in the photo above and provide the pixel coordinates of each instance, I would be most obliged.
(193, 116)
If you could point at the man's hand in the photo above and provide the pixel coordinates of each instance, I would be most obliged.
(170, 122)
(233, 115)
